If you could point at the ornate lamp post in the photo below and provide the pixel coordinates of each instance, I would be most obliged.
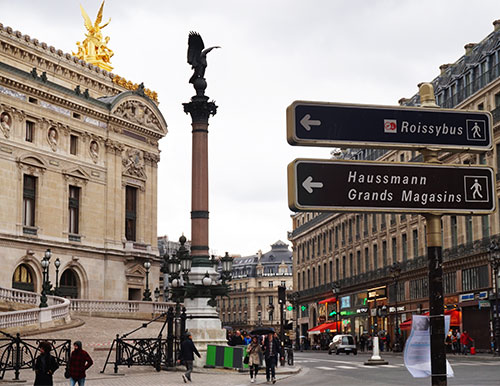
(157, 294)
(336, 292)
(147, 292)
(227, 267)
(57, 263)
(494, 258)
(395, 271)
(43, 298)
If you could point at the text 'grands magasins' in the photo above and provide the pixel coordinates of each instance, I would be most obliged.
(407, 194)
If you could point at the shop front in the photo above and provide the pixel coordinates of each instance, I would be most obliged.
(475, 308)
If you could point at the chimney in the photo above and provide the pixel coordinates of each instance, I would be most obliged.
(444, 67)
(496, 25)
(468, 48)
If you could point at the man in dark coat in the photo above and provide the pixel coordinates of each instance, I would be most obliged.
(272, 349)
(188, 349)
(237, 339)
(45, 366)
(79, 362)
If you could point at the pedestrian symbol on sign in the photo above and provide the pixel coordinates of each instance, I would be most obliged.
(476, 188)
(476, 130)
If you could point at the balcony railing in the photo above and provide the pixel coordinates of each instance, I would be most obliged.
(419, 262)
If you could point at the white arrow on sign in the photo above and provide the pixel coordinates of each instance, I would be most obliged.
(309, 185)
(307, 122)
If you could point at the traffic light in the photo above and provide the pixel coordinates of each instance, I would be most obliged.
(289, 308)
(281, 294)
(303, 308)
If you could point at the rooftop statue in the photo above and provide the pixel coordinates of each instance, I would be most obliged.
(197, 58)
(94, 48)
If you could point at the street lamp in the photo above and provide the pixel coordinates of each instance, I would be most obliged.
(147, 292)
(43, 298)
(206, 281)
(395, 271)
(47, 256)
(57, 263)
(157, 294)
(227, 267)
(336, 292)
(494, 258)
(185, 259)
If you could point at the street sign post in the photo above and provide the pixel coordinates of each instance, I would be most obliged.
(389, 127)
(353, 186)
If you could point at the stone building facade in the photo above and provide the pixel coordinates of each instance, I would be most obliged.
(253, 300)
(78, 161)
(356, 250)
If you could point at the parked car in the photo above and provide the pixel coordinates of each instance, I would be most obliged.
(343, 343)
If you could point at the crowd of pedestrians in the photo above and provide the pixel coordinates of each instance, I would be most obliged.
(261, 349)
(46, 365)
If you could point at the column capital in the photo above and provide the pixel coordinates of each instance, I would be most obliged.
(200, 109)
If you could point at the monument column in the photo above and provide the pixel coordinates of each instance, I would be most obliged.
(203, 320)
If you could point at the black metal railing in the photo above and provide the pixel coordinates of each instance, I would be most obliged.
(18, 354)
(156, 352)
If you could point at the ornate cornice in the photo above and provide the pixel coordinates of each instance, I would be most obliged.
(115, 121)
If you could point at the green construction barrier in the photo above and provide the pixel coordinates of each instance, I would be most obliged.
(226, 357)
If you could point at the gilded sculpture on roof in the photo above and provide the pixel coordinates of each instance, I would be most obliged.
(94, 49)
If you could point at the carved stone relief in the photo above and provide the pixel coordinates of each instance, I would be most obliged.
(137, 112)
(52, 138)
(133, 163)
(6, 124)
(94, 151)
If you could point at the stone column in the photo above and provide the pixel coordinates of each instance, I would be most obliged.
(205, 323)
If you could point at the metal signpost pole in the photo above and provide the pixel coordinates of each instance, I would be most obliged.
(435, 261)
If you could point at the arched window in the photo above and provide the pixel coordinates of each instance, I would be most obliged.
(23, 278)
(68, 285)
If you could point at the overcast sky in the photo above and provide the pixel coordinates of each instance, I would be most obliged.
(273, 52)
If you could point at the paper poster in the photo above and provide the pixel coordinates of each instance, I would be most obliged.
(417, 354)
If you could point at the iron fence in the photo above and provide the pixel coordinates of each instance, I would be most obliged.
(18, 354)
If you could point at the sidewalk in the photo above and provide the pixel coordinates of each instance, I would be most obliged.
(147, 376)
(97, 335)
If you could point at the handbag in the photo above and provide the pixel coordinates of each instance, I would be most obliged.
(246, 360)
(66, 373)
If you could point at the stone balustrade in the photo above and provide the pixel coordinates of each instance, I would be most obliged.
(58, 310)
(119, 308)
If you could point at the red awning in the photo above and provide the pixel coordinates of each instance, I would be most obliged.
(331, 326)
(329, 300)
(455, 319)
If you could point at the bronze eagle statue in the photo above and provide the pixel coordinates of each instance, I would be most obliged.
(197, 56)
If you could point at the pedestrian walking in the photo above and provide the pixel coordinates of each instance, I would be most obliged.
(272, 350)
(254, 352)
(45, 365)
(362, 342)
(188, 349)
(465, 341)
(79, 362)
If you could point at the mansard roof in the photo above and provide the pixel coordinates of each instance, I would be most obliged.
(474, 56)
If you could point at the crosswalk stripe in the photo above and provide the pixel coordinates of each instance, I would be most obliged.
(325, 368)
(346, 367)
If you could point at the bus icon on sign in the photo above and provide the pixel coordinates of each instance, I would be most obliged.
(390, 126)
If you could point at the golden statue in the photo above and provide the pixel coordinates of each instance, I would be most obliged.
(94, 48)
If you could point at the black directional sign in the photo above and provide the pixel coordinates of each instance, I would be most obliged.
(353, 186)
(347, 125)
